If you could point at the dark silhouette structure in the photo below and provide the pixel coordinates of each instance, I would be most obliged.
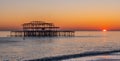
(41, 28)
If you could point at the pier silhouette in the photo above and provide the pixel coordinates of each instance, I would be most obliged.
(41, 29)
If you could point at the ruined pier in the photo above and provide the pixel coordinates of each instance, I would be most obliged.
(41, 29)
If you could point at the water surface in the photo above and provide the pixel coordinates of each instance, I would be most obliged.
(40, 47)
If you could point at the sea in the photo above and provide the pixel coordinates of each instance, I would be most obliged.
(29, 48)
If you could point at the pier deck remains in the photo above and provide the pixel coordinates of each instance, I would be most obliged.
(41, 29)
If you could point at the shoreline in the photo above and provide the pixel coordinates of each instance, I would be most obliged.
(109, 57)
(75, 56)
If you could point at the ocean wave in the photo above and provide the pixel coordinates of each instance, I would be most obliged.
(72, 56)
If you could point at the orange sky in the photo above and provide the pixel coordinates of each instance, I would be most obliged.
(68, 14)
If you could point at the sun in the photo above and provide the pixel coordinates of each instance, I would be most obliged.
(104, 30)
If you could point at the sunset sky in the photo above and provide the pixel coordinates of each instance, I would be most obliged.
(68, 14)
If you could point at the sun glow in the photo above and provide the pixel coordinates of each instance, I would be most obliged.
(104, 30)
